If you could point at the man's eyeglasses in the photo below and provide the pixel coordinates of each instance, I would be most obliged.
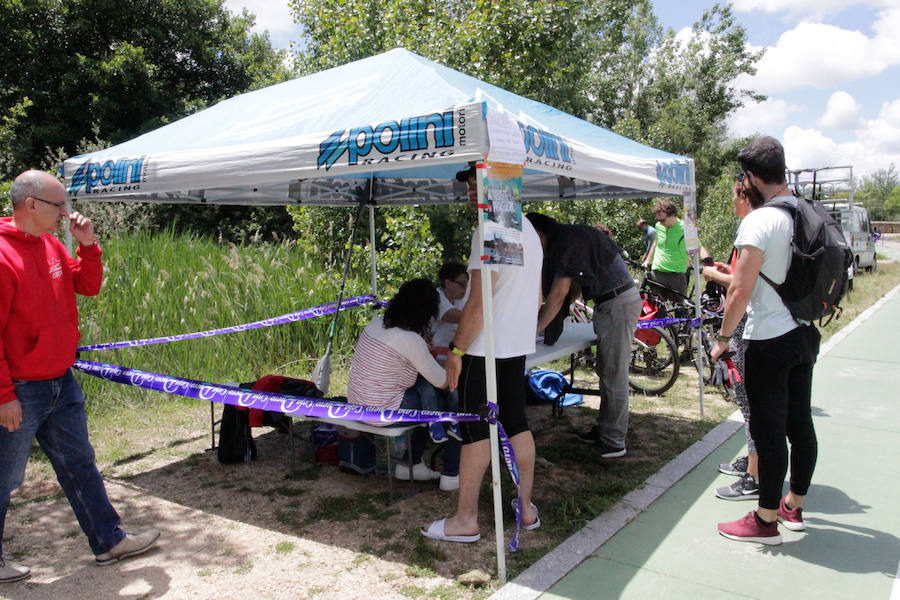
(462, 284)
(58, 205)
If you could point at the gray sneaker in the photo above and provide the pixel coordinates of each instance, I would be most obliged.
(131, 545)
(737, 468)
(10, 571)
(744, 488)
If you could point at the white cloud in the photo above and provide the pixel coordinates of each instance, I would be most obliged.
(273, 16)
(823, 56)
(815, 9)
(842, 112)
(760, 117)
(876, 145)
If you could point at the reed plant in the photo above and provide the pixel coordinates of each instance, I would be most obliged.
(164, 284)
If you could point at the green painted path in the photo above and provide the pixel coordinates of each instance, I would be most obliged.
(661, 541)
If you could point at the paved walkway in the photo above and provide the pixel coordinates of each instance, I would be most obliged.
(661, 541)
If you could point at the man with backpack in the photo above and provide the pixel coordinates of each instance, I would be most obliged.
(780, 354)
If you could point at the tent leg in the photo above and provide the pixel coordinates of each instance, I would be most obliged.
(372, 242)
(490, 372)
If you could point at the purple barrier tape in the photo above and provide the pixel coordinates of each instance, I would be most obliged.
(300, 315)
(292, 405)
(651, 323)
(695, 322)
(509, 456)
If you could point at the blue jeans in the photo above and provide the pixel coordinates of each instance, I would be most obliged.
(53, 412)
(424, 396)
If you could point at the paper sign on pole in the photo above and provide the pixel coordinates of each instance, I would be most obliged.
(691, 238)
(504, 139)
(502, 215)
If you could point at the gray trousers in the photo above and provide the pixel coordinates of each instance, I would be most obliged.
(614, 323)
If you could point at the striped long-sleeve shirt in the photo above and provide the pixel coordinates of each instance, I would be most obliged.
(385, 364)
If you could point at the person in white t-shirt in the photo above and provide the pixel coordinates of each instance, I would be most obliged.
(453, 278)
(516, 296)
(392, 368)
(780, 353)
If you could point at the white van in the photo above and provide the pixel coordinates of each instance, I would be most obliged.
(858, 232)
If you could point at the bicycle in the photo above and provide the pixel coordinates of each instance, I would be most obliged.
(687, 337)
(654, 363)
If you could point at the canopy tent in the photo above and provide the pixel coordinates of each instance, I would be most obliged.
(391, 129)
(401, 119)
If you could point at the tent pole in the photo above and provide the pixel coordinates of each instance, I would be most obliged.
(490, 376)
(698, 310)
(372, 241)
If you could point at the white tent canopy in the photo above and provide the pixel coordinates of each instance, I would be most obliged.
(405, 121)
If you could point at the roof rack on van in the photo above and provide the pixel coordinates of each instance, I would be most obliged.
(826, 184)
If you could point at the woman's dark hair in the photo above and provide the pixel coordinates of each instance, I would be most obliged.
(413, 307)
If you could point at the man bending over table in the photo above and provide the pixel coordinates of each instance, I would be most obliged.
(578, 257)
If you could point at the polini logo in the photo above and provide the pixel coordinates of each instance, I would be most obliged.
(406, 135)
(548, 149)
(677, 172)
(123, 175)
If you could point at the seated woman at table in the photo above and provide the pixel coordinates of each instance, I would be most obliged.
(392, 368)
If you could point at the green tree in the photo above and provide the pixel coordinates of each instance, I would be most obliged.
(876, 190)
(544, 50)
(98, 69)
(681, 97)
(892, 205)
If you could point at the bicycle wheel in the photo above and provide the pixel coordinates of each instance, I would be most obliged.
(654, 367)
(707, 333)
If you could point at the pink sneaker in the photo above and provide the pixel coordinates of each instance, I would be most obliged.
(792, 519)
(748, 529)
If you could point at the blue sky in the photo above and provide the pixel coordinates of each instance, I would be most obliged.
(831, 73)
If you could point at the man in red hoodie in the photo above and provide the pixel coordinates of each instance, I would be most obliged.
(39, 396)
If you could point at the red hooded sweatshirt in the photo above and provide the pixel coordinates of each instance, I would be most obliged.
(38, 314)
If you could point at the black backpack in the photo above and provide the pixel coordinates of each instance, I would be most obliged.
(235, 441)
(817, 277)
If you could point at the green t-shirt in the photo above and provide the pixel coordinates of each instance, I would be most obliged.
(671, 254)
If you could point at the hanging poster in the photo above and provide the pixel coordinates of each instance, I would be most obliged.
(502, 214)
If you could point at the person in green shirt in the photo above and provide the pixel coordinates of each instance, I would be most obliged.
(667, 256)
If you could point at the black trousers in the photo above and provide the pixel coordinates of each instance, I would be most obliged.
(779, 388)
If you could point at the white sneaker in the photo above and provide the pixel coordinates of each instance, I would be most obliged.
(449, 484)
(10, 571)
(131, 545)
(420, 473)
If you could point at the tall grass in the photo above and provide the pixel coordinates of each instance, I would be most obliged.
(162, 284)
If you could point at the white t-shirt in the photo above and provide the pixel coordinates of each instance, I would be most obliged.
(769, 229)
(442, 330)
(385, 364)
(516, 298)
